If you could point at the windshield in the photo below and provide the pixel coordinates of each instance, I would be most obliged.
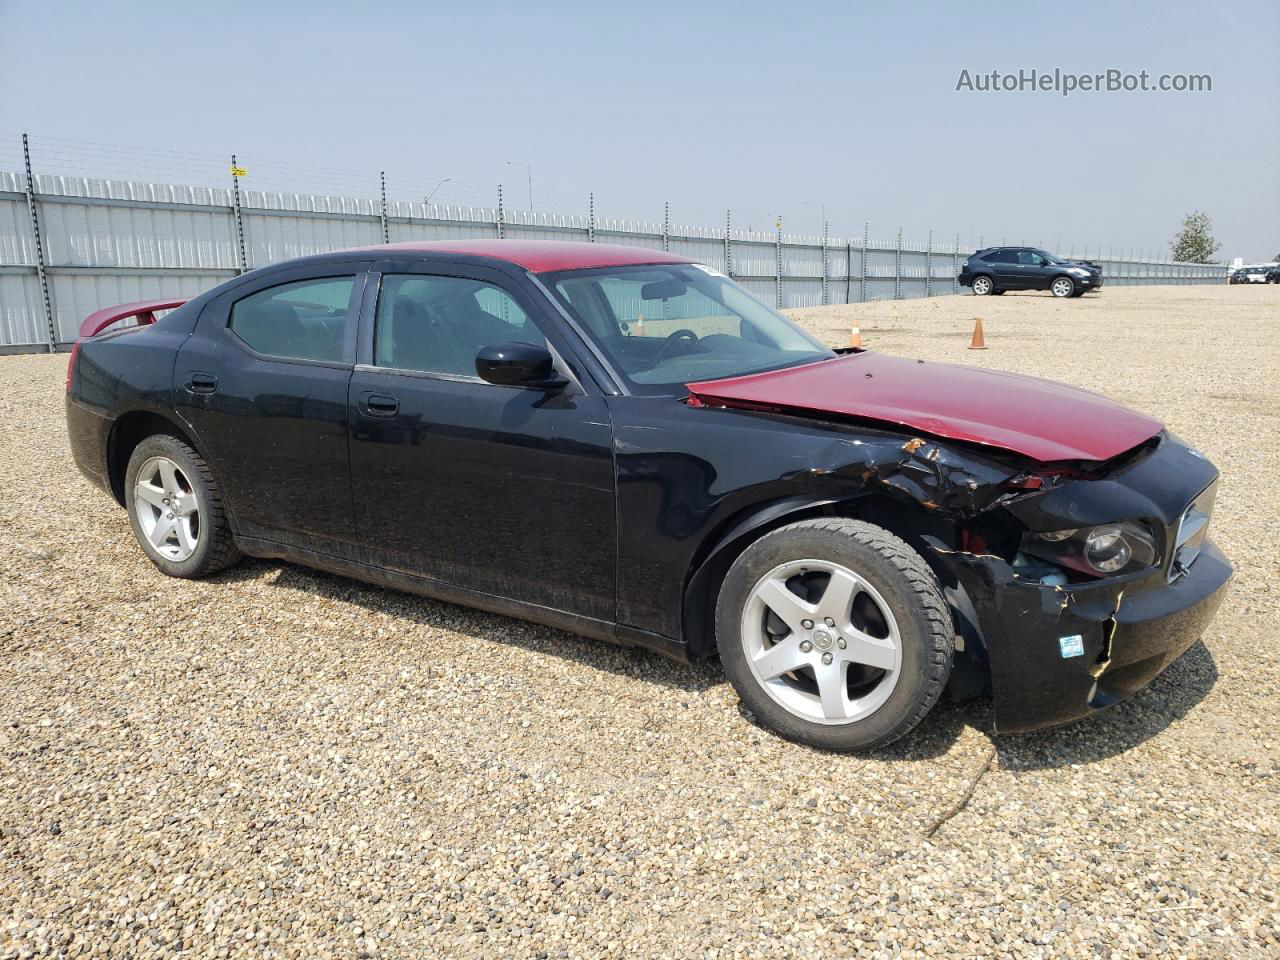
(664, 326)
(1050, 257)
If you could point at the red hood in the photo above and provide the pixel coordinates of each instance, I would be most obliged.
(1037, 418)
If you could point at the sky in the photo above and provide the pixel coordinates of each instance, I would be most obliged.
(799, 110)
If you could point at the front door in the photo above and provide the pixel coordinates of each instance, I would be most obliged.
(508, 491)
(263, 383)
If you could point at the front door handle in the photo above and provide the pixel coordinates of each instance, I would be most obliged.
(202, 383)
(379, 405)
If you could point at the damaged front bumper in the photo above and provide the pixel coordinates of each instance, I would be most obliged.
(1061, 653)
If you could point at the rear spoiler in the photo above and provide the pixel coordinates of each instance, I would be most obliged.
(144, 310)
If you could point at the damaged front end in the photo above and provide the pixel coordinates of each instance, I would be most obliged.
(1085, 589)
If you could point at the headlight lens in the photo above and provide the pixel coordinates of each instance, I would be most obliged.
(1106, 549)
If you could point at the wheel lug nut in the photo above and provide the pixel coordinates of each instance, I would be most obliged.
(807, 624)
(830, 622)
(805, 646)
(842, 643)
(826, 659)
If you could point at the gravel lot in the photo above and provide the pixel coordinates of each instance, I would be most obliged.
(280, 763)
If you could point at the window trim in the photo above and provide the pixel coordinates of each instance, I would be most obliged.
(357, 272)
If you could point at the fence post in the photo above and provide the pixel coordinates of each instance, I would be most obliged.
(242, 261)
(51, 327)
(955, 266)
(591, 217)
(728, 243)
(666, 226)
(826, 264)
(777, 256)
(500, 211)
(866, 235)
(848, 271)
(386, 232)
(928, 268)
(897, 268)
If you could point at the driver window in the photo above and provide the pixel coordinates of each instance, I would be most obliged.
(1029, 258)
(439, 324)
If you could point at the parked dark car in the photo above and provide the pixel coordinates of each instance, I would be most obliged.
(995, 270)
(627, 445)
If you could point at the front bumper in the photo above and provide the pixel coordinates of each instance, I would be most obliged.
(1126, 631)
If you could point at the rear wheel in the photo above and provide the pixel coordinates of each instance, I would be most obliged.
(1062, 287)
(834, 633)
(983, 286)
(175, 509)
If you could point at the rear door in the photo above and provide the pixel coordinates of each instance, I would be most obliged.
(263, 383)
(505, 491)
(1004, 264)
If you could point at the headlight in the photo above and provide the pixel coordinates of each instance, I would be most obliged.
(1079, 271)
(1107, 550)
(1104, 550)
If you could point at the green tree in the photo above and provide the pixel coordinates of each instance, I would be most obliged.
(1194, 243)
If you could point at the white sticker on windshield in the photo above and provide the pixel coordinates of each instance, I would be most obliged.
(1072, 646)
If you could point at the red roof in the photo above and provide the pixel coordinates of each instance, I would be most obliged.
(540, 256)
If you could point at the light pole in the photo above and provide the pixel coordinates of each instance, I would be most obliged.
(528, 169)
(427, 200)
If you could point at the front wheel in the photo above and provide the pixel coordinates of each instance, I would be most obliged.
(175, 509)
(834, 633)
(982, 286)
(1062, 287)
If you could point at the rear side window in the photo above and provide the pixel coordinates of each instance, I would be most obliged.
(1001, 256)
(306, 320)
(439, 324)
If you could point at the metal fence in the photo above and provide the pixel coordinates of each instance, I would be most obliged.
(70, 245)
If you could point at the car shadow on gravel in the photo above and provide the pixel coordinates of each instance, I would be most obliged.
(1168, 698)
(634, 662)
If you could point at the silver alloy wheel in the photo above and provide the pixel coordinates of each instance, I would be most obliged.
(167, 510)
(1062, 287)
(808, 668)
(982, 286)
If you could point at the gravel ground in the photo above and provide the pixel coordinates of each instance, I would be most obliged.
(279, 763)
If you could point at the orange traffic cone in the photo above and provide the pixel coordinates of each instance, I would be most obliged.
(855, 336)
(978, 342)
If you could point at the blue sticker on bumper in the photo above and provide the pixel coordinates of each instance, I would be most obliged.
(1072, 646)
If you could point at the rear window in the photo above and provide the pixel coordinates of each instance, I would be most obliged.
(305, 320)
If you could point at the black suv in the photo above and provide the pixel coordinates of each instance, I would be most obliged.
(997, 269)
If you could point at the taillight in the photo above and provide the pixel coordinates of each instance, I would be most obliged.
(71, 363)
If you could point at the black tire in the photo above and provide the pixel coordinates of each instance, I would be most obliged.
(983, 285)
(215, 548)
(1067, 290)
(905, 583)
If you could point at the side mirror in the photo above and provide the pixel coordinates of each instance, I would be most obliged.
(517, 364)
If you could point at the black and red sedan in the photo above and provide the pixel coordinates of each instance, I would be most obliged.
(628, 445)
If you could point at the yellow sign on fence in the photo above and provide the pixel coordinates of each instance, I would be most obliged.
(239, 172)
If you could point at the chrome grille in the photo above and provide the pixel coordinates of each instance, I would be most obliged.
(1192, 529)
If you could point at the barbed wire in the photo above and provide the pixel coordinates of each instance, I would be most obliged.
(64, 156)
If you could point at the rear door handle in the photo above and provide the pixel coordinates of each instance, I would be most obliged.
(202, 383)
(379, 405)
